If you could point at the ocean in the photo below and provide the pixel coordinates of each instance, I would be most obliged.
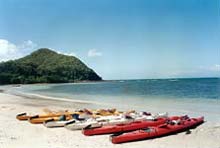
(192, 96)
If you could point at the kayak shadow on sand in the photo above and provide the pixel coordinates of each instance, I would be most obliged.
(187, 133)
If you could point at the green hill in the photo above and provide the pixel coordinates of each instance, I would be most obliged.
(45, 66)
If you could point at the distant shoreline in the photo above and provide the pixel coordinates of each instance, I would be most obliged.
(101, 81)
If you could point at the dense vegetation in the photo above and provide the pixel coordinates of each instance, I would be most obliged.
(45, 66)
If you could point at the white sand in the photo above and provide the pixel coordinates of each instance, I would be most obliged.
(21, 134)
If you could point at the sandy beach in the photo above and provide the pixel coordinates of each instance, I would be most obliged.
(21, 134)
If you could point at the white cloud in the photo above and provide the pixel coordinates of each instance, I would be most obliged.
(10, 51)
(215, 67)
(94, 53)
(7, 47)
(27, 45)
(208, 70)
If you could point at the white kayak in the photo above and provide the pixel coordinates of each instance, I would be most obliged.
(78, 125)
(142, 116)
(51, 123)
(111, 120)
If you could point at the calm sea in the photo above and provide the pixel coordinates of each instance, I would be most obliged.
(196, 96)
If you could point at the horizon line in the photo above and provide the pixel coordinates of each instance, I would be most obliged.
(162, 78)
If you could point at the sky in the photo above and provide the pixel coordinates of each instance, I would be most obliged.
(119, 39)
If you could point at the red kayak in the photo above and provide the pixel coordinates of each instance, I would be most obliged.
(118, 128)
(158, 131)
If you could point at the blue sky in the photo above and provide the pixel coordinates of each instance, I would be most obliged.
(119, 39)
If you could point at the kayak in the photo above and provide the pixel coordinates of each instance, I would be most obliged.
(125, 127)
(98, 122)
(78, 125)
(52, 123)
(62, 122)
(158, 131)
(109, 120)
(40, 120)
(147, 116)
(24, 116)
(106, 112)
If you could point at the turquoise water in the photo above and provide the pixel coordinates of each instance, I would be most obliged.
(198, 96)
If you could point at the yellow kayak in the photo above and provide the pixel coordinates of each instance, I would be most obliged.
(106, 112)
(40, 120)
(24, 116)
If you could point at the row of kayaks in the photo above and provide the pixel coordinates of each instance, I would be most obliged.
(82, 118)
(123, 126)
(66, 115)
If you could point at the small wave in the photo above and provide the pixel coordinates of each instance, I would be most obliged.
(173, 80)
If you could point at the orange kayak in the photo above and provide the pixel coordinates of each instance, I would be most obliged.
(40, 120)
(24, 116)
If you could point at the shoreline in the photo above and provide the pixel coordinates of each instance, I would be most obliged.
(42, 97)
(154, 107)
